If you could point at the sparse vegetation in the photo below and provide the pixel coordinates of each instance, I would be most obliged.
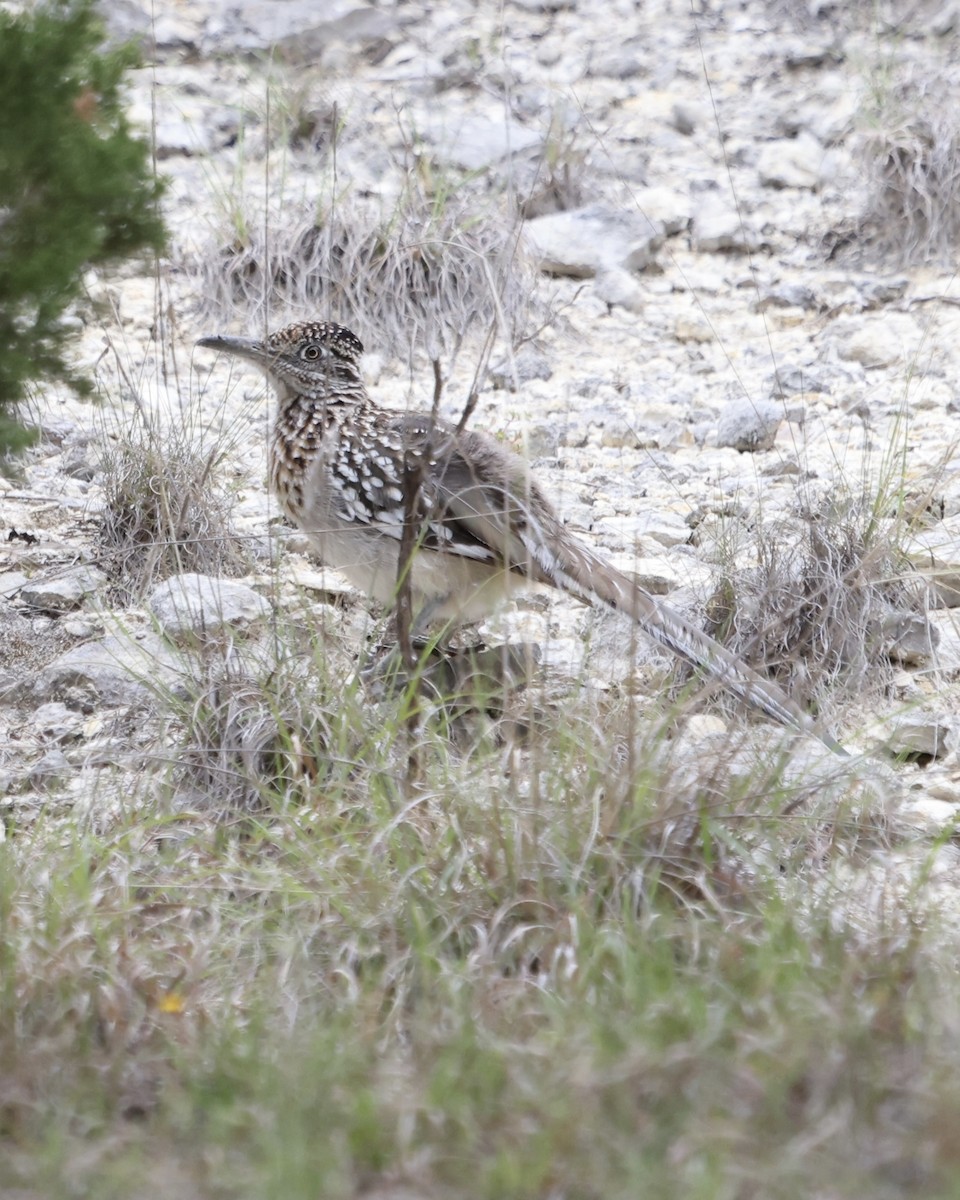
(911, 154)
(816, 608)
(165, 510)
(560, 176)
(258, 730)
(416, 276)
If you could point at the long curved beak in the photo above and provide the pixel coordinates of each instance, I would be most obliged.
(239, 347)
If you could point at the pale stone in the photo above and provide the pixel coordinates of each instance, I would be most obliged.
(920, 733)
(882, 341)
(749, 425)
(719, 225)
(63, 592)
(584, 242)
(476, 142)
(800, 162)
(195, 606)
(912, 639)
(936, 554)
(116, 670)
(929, 815)
(615, 286)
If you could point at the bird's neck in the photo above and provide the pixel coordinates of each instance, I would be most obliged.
(306, 416)
(321, 393)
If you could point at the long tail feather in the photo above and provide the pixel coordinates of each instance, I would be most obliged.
(577, 569)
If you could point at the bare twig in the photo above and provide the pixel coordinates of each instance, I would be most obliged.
(414, 472)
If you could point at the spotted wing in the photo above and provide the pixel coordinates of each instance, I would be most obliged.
(475, 498)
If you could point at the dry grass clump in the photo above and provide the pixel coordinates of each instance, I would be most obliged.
(815, 609)
(563, 177)
(241, 747)
(417, 275)
(260, 732)
(165, 510)
(912, 160)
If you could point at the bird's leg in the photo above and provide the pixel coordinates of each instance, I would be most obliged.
(420, 633)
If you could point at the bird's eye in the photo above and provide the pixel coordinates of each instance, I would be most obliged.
(311, 352)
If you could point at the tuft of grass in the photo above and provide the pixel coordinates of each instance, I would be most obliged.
(814, 608)
(260, 729)
(165, 509)
(415, 275)
(911, 155)
(562, 175)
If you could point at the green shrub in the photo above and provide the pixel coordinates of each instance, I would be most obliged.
(76, 189)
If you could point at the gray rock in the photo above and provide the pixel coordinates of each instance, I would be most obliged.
(11, 582)
(543, 442)
(118, 670)
(176, 30)
(945, 18)
(805, 56)
(781, 469)
(948, 643)
(882, 341)
(795, 381)
(929, 814)
(78, 466)
(667, 206)
(125, 21)
(295, 542)
(939, 563)
(693, 329)
(511, 373)
(877, 293)
(190, 607)
(476, 142)
(48, 769)
(615, 286)
(302, 27)
(616, 60)
(787, 295)
(11, 688)
(664, 527)
(545, 6)
(911, 639)
(77, 627)
(616, 431)
(686, 116)
(65, 592)
(718, 225)
(799, 162)
(587, 241)
(920, 733)
(936, 554)
(175, 135)
(749, 425)
(54, 720)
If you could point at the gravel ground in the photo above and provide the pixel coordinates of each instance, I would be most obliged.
(719, 343)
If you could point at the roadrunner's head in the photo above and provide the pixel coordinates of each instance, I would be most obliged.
(317, 360)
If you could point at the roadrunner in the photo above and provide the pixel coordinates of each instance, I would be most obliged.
(340, 465)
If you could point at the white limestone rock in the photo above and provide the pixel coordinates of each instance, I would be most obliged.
(193, 607)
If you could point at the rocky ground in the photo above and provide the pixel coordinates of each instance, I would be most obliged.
(724, 347)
